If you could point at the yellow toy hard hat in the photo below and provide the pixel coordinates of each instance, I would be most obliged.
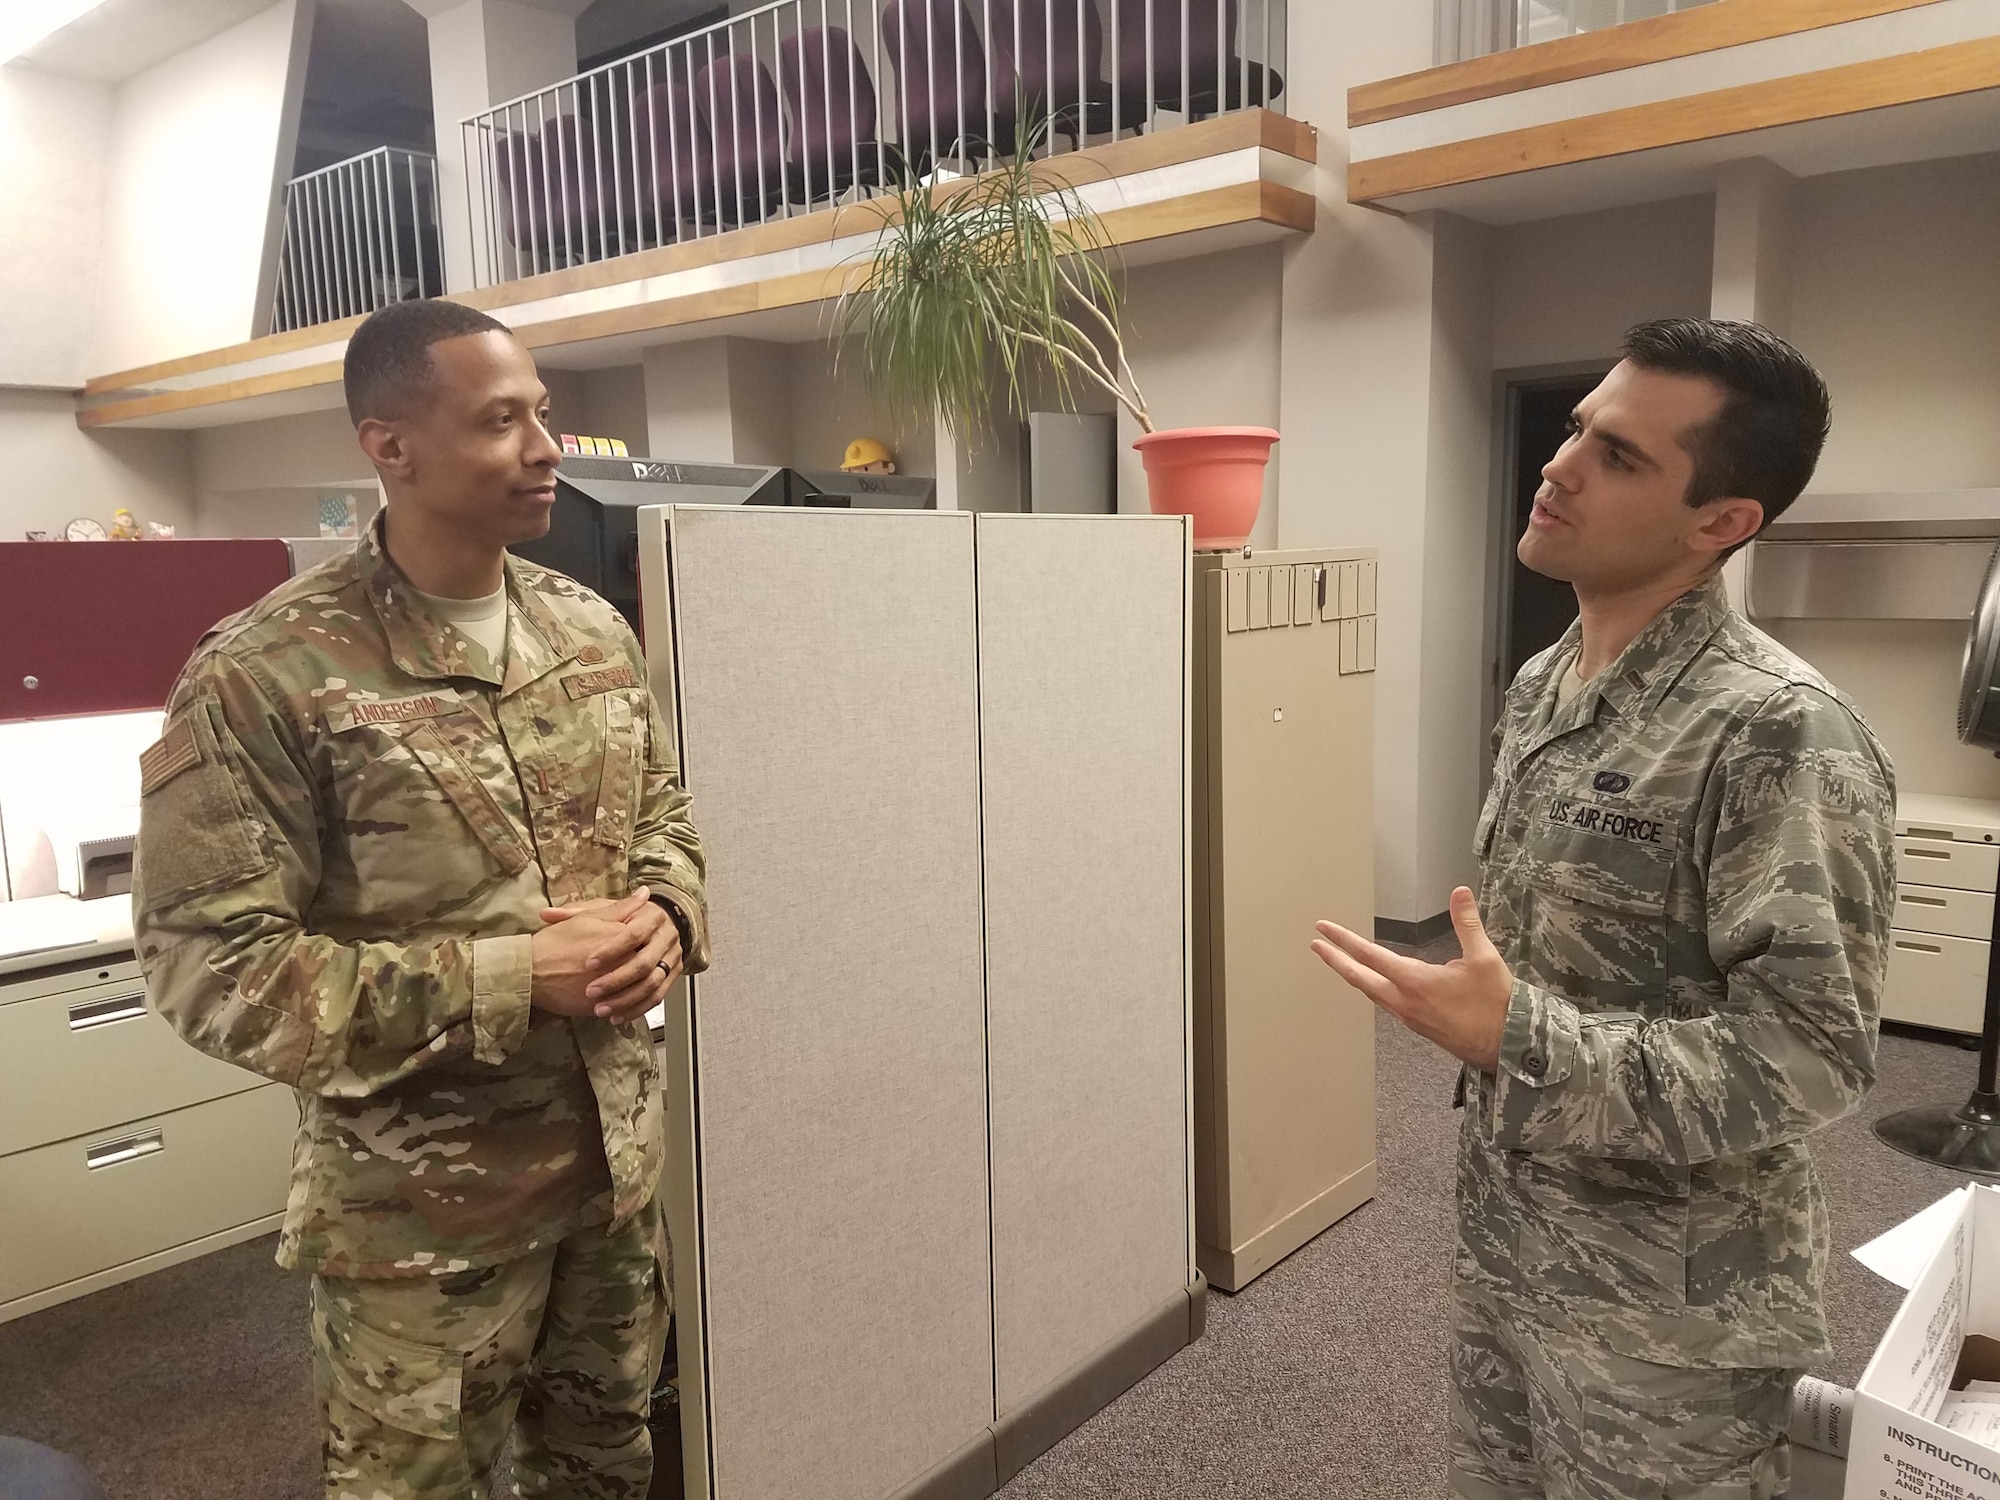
(864, 451)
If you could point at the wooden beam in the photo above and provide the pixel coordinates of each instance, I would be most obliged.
(1707, 28)
(163, 403)
(1239, 203)
(1217, 137)
(1855, 88)
(216, 359)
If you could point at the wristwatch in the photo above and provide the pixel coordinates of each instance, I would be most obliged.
(681, 925)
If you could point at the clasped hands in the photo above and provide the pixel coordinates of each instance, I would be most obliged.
(1461, 1005)
(611, 959)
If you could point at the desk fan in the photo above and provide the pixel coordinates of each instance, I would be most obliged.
(1967, 1139)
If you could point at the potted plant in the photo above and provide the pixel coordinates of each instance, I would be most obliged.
(986, 279)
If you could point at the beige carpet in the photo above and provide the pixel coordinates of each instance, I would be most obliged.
(1324, 1378)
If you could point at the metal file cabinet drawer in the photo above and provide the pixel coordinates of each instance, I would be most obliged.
(86, 1059)
(95, 1201)
(1936, 980)
(1941, 909)
(1952, 862)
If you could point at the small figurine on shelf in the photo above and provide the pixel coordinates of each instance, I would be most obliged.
(40, 536)
(159, 531)
(868, 456)
(123, 527)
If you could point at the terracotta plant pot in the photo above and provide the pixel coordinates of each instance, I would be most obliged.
(1214, 474)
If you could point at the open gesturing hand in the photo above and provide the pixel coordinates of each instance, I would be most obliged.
(1461, 1005)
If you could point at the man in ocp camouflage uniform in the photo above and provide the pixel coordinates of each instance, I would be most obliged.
(413, 843)
(1687, 879)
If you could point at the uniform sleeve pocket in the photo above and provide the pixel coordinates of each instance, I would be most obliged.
(195, 833)
(413, 1388)
(617, 788)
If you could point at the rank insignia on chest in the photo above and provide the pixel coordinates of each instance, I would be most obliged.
(585, 684)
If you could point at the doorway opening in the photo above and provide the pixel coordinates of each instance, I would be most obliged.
(1532, 611)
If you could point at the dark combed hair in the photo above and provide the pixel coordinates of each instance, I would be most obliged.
(1765, 442)
(389, 357)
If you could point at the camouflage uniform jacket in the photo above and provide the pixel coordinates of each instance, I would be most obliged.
(347, 834)
(1689, 869)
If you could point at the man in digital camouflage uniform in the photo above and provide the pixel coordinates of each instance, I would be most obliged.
(413, 843)
(1687, 878)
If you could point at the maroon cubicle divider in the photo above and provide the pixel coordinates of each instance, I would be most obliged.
(105, 627)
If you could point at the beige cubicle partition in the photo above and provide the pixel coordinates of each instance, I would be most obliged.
(929, 1111)
(1083, 693)
(1283, 836)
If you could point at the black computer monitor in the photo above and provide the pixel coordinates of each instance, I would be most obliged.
(593, 531)
(837, 489)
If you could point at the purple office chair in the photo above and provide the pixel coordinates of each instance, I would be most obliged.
(550, 182)
(1217, 77)
(939, 100)
(1049, 61)
(525, 203)
(832, 100)
(739, 102)
(675, 153)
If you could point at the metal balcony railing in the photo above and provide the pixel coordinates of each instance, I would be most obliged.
(359, 235)
(1473, 28)
(804, 103)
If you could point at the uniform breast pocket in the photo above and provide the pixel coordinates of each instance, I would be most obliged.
(1598, 916)
(1489, 816)
(415, 819)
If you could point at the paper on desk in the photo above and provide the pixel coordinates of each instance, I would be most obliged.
(1901, 1255)
(1974, 1412)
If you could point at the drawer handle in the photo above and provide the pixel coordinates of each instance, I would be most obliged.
(1918, 947)
(1928, 853)
(1926, 900)
(125, 1148)
(1943, 834)
(108, 1011)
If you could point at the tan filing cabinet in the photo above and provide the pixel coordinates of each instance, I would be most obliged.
(1941, 936)
(122, 1149)
(1284, 1053)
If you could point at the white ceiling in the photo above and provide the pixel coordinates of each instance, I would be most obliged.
(123, 37)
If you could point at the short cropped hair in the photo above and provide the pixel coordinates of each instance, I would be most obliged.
(389, 356)
(1765, 442)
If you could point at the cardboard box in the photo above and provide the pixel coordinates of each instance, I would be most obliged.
(1946, 1333)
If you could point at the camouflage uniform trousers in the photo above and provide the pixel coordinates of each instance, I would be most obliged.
(419, 1380)
(1542, 1411)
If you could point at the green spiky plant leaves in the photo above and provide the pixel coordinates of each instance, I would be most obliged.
(989, 279)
